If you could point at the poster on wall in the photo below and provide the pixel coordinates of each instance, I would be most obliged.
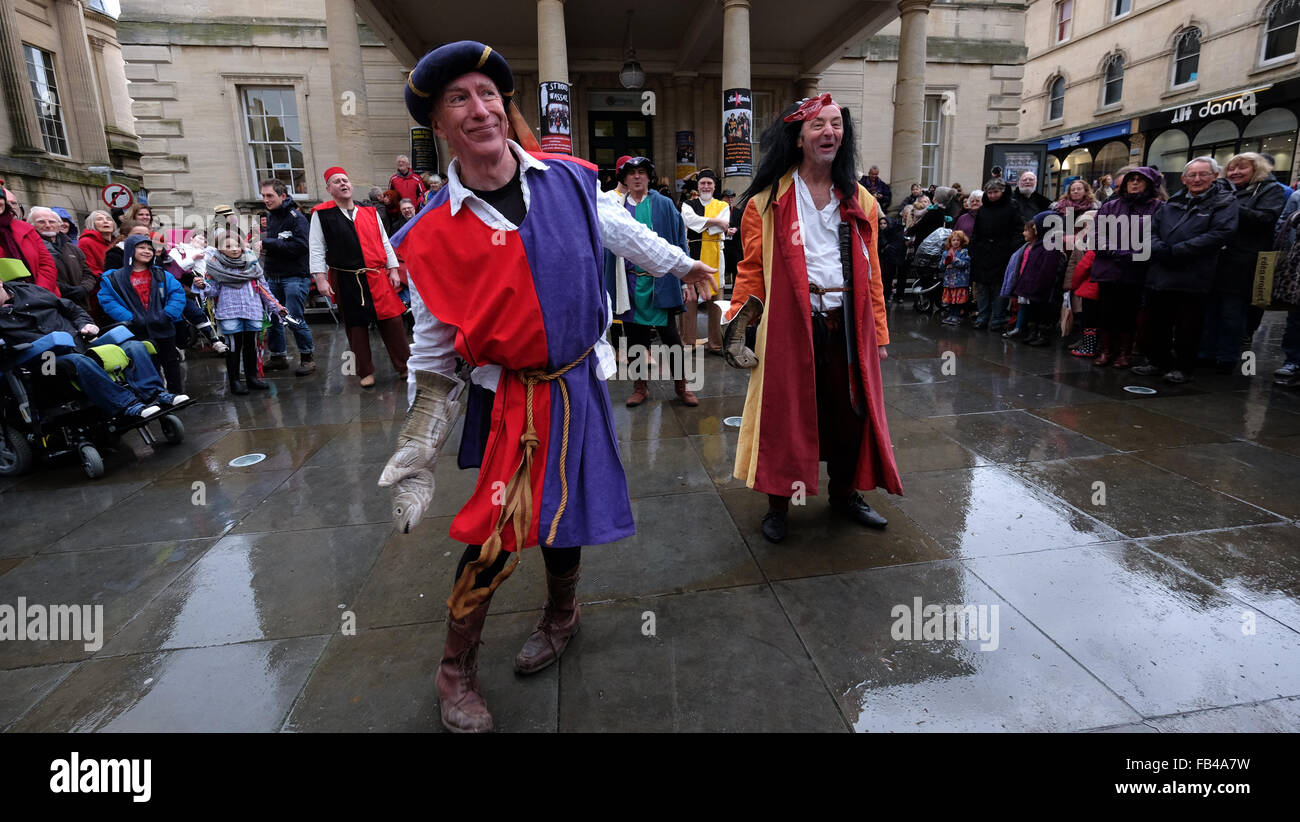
(737, 132)
(556, 116)
(424, 150)
(1017, 163)
(685, 157)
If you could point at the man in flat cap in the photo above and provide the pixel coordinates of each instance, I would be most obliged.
(352, 261)
(708, 219)
(506, 267)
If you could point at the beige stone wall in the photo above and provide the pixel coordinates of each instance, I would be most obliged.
(185, 66)
(972, 51)
(1232, 36)
(101, 113)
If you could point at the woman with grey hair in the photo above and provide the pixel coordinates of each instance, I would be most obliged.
(1260, 200)
(96, 239)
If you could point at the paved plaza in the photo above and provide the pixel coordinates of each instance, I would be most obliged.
(1135, 558)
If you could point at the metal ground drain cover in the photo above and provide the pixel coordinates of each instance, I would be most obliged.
(1140, 389)
(247, 460)
(734, 422)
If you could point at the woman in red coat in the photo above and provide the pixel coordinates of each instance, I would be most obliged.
(96, 240)
(20, 241)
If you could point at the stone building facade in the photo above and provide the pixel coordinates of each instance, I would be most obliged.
(67, 108)
(974, 56)
(1113, 82)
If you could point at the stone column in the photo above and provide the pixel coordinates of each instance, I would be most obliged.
(735, 65)
(805, 86)
(684, 113)
(552, 48)
(78, 93)
(348, 98)
(909, 97)
(16, 88)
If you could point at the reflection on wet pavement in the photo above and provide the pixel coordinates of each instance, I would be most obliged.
(1068, 556)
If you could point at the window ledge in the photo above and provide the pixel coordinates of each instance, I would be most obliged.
(1273, 65)
(1110, 109)
(1178, 91)
(1057, 123)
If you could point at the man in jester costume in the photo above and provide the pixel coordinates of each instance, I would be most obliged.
(506, 263)
(811, 280)
(708, 220)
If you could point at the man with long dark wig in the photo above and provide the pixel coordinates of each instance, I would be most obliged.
(811, 280)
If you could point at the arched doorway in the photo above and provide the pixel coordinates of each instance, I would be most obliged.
(1273, 132)
(1169, 153)
(1111, 158)
(1217, 139)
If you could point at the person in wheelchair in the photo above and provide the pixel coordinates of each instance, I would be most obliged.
(29, 312)
(149, 300)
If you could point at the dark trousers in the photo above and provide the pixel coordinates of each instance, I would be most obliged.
(1172, 335)
(1088, 313)
(1225, 322)
(558, 561)
(839, 430)
(1117, 307)
(638, 342)
(170, 360)
(393, 333)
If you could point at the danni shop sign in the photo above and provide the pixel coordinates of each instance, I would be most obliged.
(1242, 102)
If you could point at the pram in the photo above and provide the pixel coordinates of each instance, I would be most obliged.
(927, 267)
(44, 413)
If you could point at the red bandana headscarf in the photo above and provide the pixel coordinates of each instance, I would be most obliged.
(811, 107)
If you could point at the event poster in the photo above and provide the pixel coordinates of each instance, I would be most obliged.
(737, 132)
(1017, 163)
(685, 157)
(424, 150)
(556, 117)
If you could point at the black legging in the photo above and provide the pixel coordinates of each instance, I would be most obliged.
(243, 346)
(1118, 305)
(558, 561)
(639, 335)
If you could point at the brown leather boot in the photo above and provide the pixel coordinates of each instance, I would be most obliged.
(459, 697)
(640, 392)
(1124, 357)
(1106, 346)
(682, 391)
(557, 626)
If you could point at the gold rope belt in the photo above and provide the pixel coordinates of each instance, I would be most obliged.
(517, 509)
(357, 273)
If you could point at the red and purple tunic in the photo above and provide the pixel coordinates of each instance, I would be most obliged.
(532, 298)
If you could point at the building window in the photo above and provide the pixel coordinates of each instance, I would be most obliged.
(1064, 14)
(1114, 83)
(274, 141)
(932, 141)
(1187, 56)
(1056, 100)
(1280, 30)
(45, 92)
(1119, 8)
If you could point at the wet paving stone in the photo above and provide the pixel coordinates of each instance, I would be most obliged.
(1015, 436)
(324, 496)
(1232, 414)
(286, 449)
(941, 400)
(258, 586)
(926, 445)
(707, 417)
(670, 466)
(1029, 391)
(243, 688)
(1137, 498)
(983, 511)
(1240, 469)
(717, 661)
(651, 420)
(49, 514)
(821, 543)
(121, 580)
(1259, 566)
(22, 688)
(1127, 427)
(1274, 716)
(887, 679)
(1159, 637)
(718, 453)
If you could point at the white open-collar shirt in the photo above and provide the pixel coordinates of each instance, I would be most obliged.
(434, 347)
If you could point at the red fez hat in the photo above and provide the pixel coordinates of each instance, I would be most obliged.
(331, 171)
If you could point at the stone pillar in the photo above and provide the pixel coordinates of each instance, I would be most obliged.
(348, 98)
(684, 115)
(735, 65)
(16, 88)
(909, 97)
(805, 86)
(552, 48)
(78, 92)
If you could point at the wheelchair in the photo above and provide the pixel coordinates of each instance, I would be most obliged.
(43, 413)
